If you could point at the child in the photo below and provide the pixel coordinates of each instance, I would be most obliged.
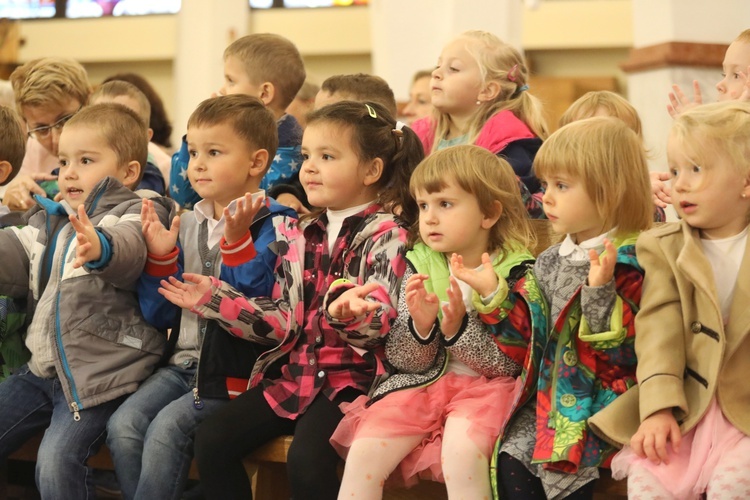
(90, 346)
(12, 148)
(337, 279)
(420, 101)
(269, 67)
(231, 140)
(480, 92)
(597, 192)
(465, 320)
(692, 399)
(304, 102)
(606, 103)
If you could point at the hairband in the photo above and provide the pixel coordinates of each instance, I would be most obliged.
(522, 88)
(400, 125)
(512, 73)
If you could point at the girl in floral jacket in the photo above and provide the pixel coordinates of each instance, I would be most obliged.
(598, 194)
(337, 277)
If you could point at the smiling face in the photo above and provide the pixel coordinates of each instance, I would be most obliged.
(86, 159)
(708, 197)
(736, 60)
(456, 81)
(570, 209)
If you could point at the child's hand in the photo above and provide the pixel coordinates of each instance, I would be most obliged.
(236, 226)
(353, 302)
(653, 434)
(679, 102)
(484, 281)
(187, 294)
(454, 311)
(661, 193)
(602, 267)
(159, 240)
(88, 247)
(423, 306)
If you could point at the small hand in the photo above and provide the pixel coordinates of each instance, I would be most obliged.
(187, 294)
(353, 302)
(18, 194)
(291, 201)
(484, 281)
(679, 102)
(653, 434)
(159, 240)
(89, 247)
(423, 306)
(602, 267)
(236, 226)
(454, 311)
(661, 193)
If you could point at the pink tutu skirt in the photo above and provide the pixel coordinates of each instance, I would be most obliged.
(689, 470)
(423, 411)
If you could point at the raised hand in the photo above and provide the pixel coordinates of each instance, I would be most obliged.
(602, 266)
(653, 434)
(679, 102)
(483, 281)
(423, 307)
(187, 294)
(159, 240)
(236, 226)
(88, 246)
(353, 302)
(661, 193)
(454, 311)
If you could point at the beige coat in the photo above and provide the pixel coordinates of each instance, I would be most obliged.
(685, 354)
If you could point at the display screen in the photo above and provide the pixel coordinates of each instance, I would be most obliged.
(101, 8)
(294, 4)
(27, 9)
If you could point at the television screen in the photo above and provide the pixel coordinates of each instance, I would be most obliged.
(100, 8)
(266, 4)
(27, 9)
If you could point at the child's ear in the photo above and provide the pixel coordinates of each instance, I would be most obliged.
(5, 171)
(132, 172)
(490, 91)
(746, 189)
(258, 162)
(373, 172)
(150, 134)
(497, 211)
(267, 93)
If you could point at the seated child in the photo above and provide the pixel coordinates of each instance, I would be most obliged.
(12, 148)
(304, 102)
(77, 262)
(231, 140)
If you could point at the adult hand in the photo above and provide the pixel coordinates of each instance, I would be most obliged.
(18, 194)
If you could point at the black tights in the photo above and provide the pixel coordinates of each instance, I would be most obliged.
(516, 482)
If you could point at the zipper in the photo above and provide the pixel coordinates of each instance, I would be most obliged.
(76, 415)
(197, 402)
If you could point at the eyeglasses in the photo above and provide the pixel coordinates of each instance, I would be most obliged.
(43, 132)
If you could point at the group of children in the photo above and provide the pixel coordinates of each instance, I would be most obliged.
(404, 323)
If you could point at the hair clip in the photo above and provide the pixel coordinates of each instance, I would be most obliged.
(522, 88)
(371, 111)
(512, 73)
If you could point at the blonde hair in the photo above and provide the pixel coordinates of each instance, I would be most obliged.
(501, 63)
(615, 105)
(122, 129)
(12, 141)
(50, 80)
(120, 88)
(6, 94)
(743, 37)
(486, 177)
(721, 128)
(270, 58)
(609, 159)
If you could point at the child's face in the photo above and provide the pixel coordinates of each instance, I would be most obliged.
(332, 174)
(85, 159)
(736, 59)
(420, 101)
(222, 165)
(50, 118)
(570, 209)
(450, 221)
(236, 79)
(456, 81)
(710, 200)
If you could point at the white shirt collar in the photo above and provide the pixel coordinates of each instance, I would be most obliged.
(580, 251)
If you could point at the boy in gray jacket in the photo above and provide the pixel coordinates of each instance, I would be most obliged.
(77, 263)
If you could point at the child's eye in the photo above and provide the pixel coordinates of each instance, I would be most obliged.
(696, 169)
(673, 172)
(446, 204)
(327, 156)
(305, 156)
(736, 76)
(214, 152)
(193, 153)
(454, 69)
(561, 186)
(422, 206)
(544, 185)
(86, 161)
(63, 163)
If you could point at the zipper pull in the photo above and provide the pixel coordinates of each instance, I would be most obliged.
(76, 415)
(197, 400)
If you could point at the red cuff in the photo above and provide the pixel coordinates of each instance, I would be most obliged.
(238, 253)
(162, 265)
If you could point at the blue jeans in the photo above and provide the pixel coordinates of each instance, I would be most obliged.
(31, 404)
(151, 435)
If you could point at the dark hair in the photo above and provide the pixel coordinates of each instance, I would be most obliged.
(375, 135)
(159, 121)
(362, 87)
(12, 141)
(247, 116)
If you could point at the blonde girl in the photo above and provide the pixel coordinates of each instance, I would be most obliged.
(338, 274)
(466, 311)
(597, 194)
(687, 422)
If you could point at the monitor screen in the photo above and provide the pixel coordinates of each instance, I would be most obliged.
(27, 9)
(101, 8)
(267, 4)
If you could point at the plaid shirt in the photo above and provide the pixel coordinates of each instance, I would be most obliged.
(325, 355)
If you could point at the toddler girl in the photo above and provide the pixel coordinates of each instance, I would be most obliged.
(597, 193)
(337, 278)
(692, 400)
(465, 318)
